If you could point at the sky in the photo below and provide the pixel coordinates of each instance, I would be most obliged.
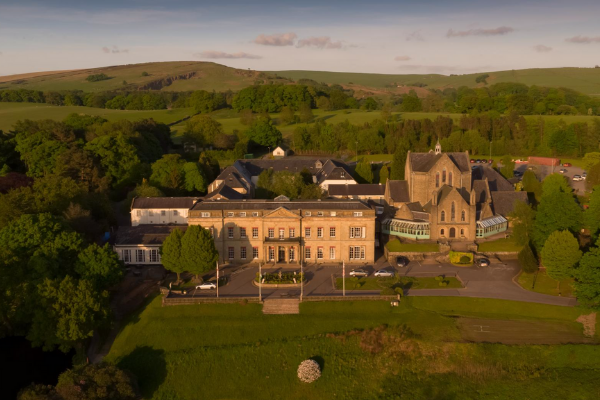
(378, 36)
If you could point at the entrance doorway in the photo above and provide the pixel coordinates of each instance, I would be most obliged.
(281, 254)
(452, 232)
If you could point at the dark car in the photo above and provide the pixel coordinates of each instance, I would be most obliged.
(483, 262)
(478, 161)
(517, 173)
(402, 261)
(484, 161)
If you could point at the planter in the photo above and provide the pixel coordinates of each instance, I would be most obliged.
(277, 285)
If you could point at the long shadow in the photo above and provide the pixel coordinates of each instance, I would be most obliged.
(320, 360)
(149, 367)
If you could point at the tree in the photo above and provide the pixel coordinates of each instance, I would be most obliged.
(532, 185)
(305, 113)
(593, 177)
(527, 259)
(587, 279)
(482, 78)
(247, 117)
(592, 214)
(118, 157)
(591, 159)
(170, 252)
(523, 222)
(287, 115)
(411, 102)
(386, 112)
(384, 174)
(560, 254)
(369, 104)
(202, 130)
(363, 172)
(194, 177)
(198, 252)
(264, 133)
(167, 173)
(399, 161)
(99, 265)
(508, 167)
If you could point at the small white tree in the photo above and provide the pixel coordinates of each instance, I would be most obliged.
(309, 371)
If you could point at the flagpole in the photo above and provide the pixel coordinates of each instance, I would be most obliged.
(344, 278)
(259, 282)
(301, 281)
(217, 278)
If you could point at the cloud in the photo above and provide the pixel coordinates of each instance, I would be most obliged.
(583, 39)
(321, 42)
(220, 54)
(540, 48)
(415, 36)
(114, 50)
(278, 39)
(502, 30)
(401, 58)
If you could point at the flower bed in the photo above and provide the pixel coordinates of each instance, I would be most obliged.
(279, 278)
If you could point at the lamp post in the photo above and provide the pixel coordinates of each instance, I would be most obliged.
(344, 278)
(357, 151)
(301, 280)
(259, 282)
(217, 279)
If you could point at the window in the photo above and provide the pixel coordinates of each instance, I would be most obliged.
(333, 213)
(254, 233)
(163, 213)
(462, 216)
(271, 253)
(357, 214)
(307, 213)
(211, 230)
(255, 214)
(138, 213)
(437, 179)
(255, 252)
(230, 232)
(292, 232)
(281, 233)
(453, 212)
(357, 252)
(271, 233)
(151, 213)
(292, 253)
(450, 178)
(242, 214)
(243, 253)
(205, 214)
(319, 232)
(307, 232)
(230, 214)
(343, 174)
(175, 213)
(332, 231)
(319, 213)
(357, 232)
(230, 253)
(307, 252)
(140, 256)
(126, 255)
(243, 233)
(444, 176)
(443, 216)
(442, 232)
(154, 257)
(320, 253)
(462, 232)
(332, 253)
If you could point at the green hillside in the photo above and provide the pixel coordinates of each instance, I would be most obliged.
(584, 80)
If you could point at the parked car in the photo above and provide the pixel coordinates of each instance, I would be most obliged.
(478, 161)
(472, 160)
(584, 176)
(483, 262)
(384, 273)
(577, 178)
(402, 261)
(491, 161)
(563, 171)
(517, 173)
(484, 161)
(207, 286)
(359, 273)
(567, 164)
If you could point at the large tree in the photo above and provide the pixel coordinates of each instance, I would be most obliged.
(167, 173)
(593, 177)
(399, 161)
(202, 130)
(560, 254)
(99, 265)
(363, 173)
(508, 167)
(170, 253)
(587, 279)
(523, 222)
(264, 133)
(532, 185)
(527, 259)
(591, 216)
(198, 252)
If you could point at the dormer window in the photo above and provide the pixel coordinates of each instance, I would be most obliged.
(307, 213)
(205, 214)
(230, 214)
(319, 213)
(343, 174)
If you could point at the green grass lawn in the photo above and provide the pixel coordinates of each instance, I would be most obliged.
(397, 246)
(540, 282)
(405, 282)
(368, 350)
(505, 244)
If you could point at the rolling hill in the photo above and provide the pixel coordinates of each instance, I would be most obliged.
(194, 75)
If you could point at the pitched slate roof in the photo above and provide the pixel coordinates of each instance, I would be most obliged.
(446, 190)
(481, 190)
(495, 180)
(224, 191)
(357, 190)
(163, 202)
(423, 162)
(399, 191)
(504, 202)
(233, 178)
(151, 235)
(290, 205)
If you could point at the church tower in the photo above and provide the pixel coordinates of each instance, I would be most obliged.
(438, 147)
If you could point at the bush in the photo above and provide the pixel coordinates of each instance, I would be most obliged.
(388, 292)
(399, 290)
(97, 78)
(461, 258)
(309, 371)
(465, 260)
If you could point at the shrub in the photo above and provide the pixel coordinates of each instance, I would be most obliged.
(465, 260)
(97, 77)
(399, 290)
(527, 260)
(309, 371)
(461, 258)
(443, 283)
(388, 292)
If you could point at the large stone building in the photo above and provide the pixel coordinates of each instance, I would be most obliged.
(161, 210)
(285, 231)
(444, 198)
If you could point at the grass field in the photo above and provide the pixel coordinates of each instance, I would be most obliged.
(540, 282)
(397, 246)
(405, 282)
(507, 244)
(424, 349)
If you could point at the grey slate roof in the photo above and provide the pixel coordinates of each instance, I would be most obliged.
(357, 190)
(423, 162)
(233, 178)
(163, 202)
(504, 202)
(446, 190)
(399, 191)
(273, 205)
(480, 188)
(151, 235)
(495, 180)
(224, 191)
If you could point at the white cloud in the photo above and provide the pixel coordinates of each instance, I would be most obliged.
(211, 54)
(114, 50)
(502, 30)
(277, 39)
(540, 48)
(321, 42)
(583, 39)
(401, 58)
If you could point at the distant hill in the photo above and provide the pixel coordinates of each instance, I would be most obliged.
(195, 75)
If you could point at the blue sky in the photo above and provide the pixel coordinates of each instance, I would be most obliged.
(357, 36)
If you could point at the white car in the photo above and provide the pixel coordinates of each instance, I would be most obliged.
(577, 178)
(384, 273)
(206, 286)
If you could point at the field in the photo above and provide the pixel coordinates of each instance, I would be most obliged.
(540, 282)
(428, 348)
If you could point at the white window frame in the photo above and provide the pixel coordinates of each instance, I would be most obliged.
(243, 253)
(139, 252)
(205, 215)
(242, 214)
(357, 214)
(163, 213)
(281, 233)
(243, 232)
(332, 253)
(307, 252)
(254, 233)
(319, 253)
(175, 213)
(271, 233)
(292, 233)
(230, 232)
(154, 255)
(254, 253)
(307, 232)
(333, 213)
(138, 213)
(332, 230)
(307, 213)
(151, 213)
(126, 255)
(319, 213)
(230, 214)
(319, 233)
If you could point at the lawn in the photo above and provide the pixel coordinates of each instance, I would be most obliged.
(405, 282)
(540, 282)
(397, 246)
(500, 245)
(367, 350)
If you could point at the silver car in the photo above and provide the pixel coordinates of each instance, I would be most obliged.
(384, 273)
(206, 286)
(359, 273)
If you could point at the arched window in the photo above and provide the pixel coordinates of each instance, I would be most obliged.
(443, 216)
(450, 178)
(462, 216)
(453, 212)
(437, 179)
(441, 232)
(462, 233)
(444, 176)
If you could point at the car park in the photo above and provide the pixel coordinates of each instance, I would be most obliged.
(577, 178)
(384, 273)
(402, 261)
(206, 286)
(483, 262)
(359, 273)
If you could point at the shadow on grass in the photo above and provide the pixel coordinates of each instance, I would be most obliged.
(149, 367)
(320, 360)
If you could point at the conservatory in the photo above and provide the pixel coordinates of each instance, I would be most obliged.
(406, 229)
(491, 226)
